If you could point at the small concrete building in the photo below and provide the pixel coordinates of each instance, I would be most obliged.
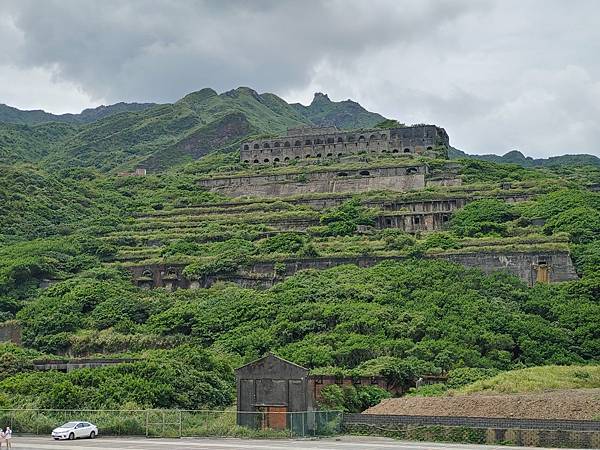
(269, 390)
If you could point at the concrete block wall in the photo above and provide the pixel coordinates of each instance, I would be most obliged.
(526, 432)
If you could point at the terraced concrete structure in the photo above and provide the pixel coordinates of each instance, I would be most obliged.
(398, 179)
(548, 266)
(328, 142)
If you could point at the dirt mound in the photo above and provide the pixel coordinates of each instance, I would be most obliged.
(583, 404)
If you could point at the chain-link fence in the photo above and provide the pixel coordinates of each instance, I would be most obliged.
(178, 423)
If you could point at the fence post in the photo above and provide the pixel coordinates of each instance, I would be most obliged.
(180, 423)
(146, 423)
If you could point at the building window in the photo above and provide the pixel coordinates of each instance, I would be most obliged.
(318, 155)
(286, 144)
(277, 144)
(364, 173)
(340, 140)
(276, 160)
(266, 145)
(297, 143)
(429, 148)
(246, 147)
(342, 174)
(266, 160)
(255, 161)
(256, 146)
(308, 142)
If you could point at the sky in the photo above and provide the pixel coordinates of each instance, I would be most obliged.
(498, 75)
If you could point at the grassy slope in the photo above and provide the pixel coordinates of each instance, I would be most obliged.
(535, 379)
(162, 136)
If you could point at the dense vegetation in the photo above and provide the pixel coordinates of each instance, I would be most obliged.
(67, 228)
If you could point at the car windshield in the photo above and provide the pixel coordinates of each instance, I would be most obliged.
(69, 425)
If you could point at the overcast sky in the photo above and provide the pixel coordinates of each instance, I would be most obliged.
(497, 74)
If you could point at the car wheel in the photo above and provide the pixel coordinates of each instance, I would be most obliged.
(71, 436)
(92, 435)
(56, 439)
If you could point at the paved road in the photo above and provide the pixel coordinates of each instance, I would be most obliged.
(344, 443)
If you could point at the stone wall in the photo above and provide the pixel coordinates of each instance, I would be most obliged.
(318, 144)
(398, 179)
(556, 266)
(526, 432)
(10, 331)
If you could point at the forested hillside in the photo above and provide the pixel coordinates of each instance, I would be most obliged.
(71, 229)
(124, 136)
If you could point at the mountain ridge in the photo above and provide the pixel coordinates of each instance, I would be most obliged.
(10, 114)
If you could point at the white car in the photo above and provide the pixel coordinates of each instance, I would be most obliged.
(74, 430)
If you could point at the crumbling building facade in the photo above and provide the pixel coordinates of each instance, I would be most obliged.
(328, 142)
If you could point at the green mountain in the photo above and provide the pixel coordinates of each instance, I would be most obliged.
(516, 157)
(162, 136)
(346, 114)
(8, 114)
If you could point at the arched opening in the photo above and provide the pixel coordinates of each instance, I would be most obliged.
(318, 155)
(395, 150)
(412, 170)
(342, 174)
(361, 138)
(307, 156)
(286, 144)
(340, 155)
(393, 136)
(286, 159)
(255, 161)
(351, 138)
(308, 142)
(147, 273)
(364, 173)
(297, 143)
(407, 150)
(246, 161)
(246, 147)
(277, 144)
(340, 140)
(329, 155)
(330, 140)
(256, 146)
(266, 145)
(276, 160)
(430, 148)
(266, 159)
(372, 137)
(384, 136)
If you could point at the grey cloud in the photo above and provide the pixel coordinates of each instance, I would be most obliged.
(498, 74)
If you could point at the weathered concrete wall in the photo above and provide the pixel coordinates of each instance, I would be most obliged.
(398, 179)
(556, 265)
(10, 331)
(317, 144)
(525, 432)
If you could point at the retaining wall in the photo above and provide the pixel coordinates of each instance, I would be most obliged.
(528, 432)
(556, 266)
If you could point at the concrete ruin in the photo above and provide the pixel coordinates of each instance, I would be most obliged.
(396, 179)
(531, 267)
(320, 143)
